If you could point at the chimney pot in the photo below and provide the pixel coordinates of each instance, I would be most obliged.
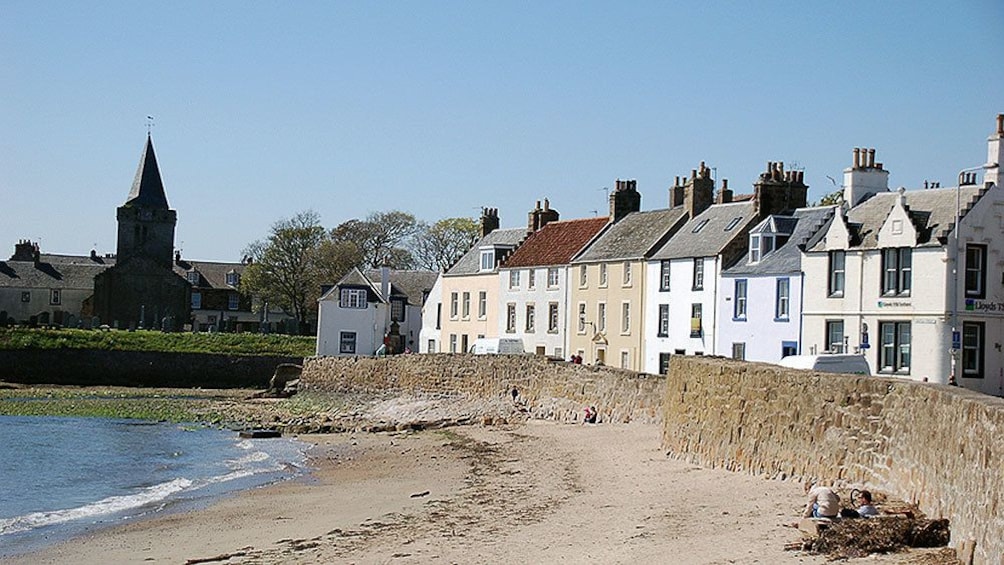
(693, 173)
(871, 158)
(1000, 124)
(725, 184)
(857, 158)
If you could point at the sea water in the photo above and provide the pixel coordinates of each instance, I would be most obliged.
(61, 477)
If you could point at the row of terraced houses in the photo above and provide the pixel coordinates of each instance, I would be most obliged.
(913, 279)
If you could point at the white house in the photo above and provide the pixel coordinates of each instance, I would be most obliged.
(760, 299)
(430, 336)
(912, 278)
(533, 285)
(373, 312)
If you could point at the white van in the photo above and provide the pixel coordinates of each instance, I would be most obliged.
(497, 346)
(829, 363)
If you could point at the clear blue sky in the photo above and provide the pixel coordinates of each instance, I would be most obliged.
(265, 109)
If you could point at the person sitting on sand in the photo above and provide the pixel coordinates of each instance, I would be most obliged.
(866, 509)
(822, 502)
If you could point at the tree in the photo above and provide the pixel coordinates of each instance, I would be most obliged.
(438, 246)
(283, 266)
(835, 197)
(381, 237)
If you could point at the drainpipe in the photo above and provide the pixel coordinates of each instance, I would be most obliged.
(714, 310)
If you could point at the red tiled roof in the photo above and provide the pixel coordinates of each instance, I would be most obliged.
(556, 243)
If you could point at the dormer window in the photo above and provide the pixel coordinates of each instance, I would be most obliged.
(761, 244)
(352, 298)
(233, 279)
(492, 255)
(487, 259)
(192, 276)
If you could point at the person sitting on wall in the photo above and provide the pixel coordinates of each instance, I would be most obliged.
(867, 509)
(822, 502)
(590, 417)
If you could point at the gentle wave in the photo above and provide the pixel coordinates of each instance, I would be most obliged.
(103, 507)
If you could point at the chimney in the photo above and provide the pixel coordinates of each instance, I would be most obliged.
(489, 220)
(676, 194)
(864, 178)
(24, 250)
(777, 192)
(699, 191)
(995, 154)
(724, 195)
(624, 199)
(385, 281)
(540, 217)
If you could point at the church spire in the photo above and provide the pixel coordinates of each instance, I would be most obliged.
(147, 188)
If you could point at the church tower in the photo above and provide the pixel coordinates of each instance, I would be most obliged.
(146, 224)
(142, 290)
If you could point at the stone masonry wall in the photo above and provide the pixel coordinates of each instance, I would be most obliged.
(549, 390)
(937, 446)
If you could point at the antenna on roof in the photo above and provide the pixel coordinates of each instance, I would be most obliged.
(149, 124)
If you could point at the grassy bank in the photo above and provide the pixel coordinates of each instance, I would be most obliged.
(232, 408)
(119, 340)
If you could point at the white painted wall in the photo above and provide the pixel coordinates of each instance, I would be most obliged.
(541, 295)
(368, 323)
(430, 330)
(761, 331)
(680, 298)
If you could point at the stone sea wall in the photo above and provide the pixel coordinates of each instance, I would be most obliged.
(547, 389)
(937, 446)
(87, 367)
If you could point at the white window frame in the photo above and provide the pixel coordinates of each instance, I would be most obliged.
(482, 304)
(581, 322)
(514, 279)
(583, 276)
(627, 273)
(465, 305)
(665, 272)
(354, 298)
(531, 318)
(698, 274)
(739, 311)
(233, 301)
(837, 273)
(553, 317)
(782, 294)
(663, 320)
(552, 277)
(603, 275)
(510, 318)
(454, 305)
(347, 343)
(601, 316)
(625, 318)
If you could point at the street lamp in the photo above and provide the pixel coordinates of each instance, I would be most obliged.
(966, 177)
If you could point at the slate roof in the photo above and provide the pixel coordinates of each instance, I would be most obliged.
(413, 284)
(53, 271)
(712, 238)
(212, 274)
(805, 226)
(556, 243)
(634, 236)
(147, 188)
(470, 262)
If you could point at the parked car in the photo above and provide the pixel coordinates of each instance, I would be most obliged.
(829, 363)
(497, 346)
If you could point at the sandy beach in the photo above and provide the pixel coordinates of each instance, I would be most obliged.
(538, 492)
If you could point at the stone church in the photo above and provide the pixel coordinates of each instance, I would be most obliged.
(142, 289)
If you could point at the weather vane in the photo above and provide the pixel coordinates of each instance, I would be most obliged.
(149, 124)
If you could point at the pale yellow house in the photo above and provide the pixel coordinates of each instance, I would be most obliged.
(470, 307)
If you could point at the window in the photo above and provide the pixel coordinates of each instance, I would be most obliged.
(514, 278)
(603, 274)
(531, 315)
(552, 277)
(347, 342)
(192, 276)
(627, 274)
(531, 279)
(740, 305)
(454, 305)
(463, 344)
(510, 318)
(196, 301)
(625, 317)
(439, 316)
(601, 317)
(487, 259)
(733, 223)
(583, 276)
(755, 248)
(482, 304)
(453, 343)
(836, 282)
(739, 351)
(896, 269)
(835, 336)
(352, 298)
(397, 310)
(976, 271)
(55, 297)
(696, 328)
(431, 347)
(972, 348)
(698, 273)
(700, 226)
(789, 348)
(26, 296)
(664, 271)
(552, 317)
(663, 320)
(664, 363)
(894, 350)
(465, 305)
(233, 278)
(625, 360)
(233, 301)
(582, 317)
(782, 299)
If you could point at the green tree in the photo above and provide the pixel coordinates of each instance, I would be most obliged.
(283, 270)
(381, 237)
(835, 197)
(438, 246)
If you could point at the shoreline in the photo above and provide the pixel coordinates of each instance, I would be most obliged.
(535, 492)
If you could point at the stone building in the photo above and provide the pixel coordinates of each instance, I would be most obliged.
(142, 289)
